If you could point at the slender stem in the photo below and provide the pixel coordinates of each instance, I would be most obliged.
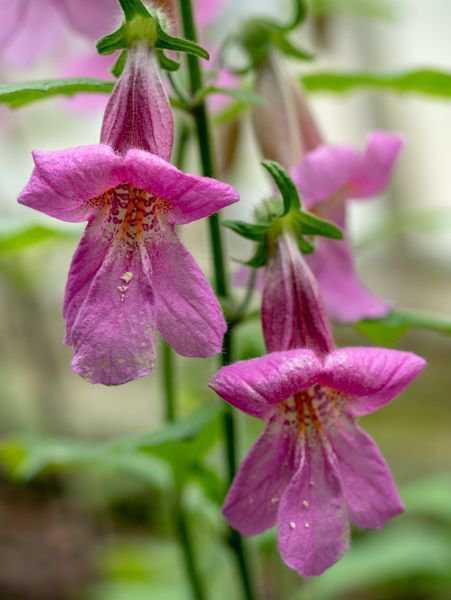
(221, 282)
(181, 522)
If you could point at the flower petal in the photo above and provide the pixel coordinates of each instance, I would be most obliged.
(64, 180)
(91, 19)
(86, 262)
(313, 527)
(138, 114)
(345, 297)
(324, 171)
(191, 197)
(188, 314)
(374, 168)
(112, 334)
(368, 485)
(292, 311)
(371, 376)
(255, 385)
(252, 502)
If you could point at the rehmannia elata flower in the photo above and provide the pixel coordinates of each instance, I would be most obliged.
(313, 469)
(130, 274)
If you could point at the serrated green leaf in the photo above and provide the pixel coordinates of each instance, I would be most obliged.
(285, 185)
(31, 235)
(430, 82)
(16, 95)
(310, 224)
(250, 231)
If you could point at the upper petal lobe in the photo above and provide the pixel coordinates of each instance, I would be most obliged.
(370, 376)
(63, 181)
(254, 386)
(191, 197)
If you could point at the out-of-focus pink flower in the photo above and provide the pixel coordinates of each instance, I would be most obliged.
(138, 114)
(313, 469)
(328, 177)
(130, 274)
(31, 29)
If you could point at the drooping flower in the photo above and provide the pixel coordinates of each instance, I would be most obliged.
(130, 274)
(31, 29)
(138, 114)
(313, 468)
(329, 177)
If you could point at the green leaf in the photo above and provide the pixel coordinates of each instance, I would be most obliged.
(389, 330)
(16, 95)
(285, 185)
(375, 9)
(22, 238)
(430, 82)
(310, 224)
(250, 231)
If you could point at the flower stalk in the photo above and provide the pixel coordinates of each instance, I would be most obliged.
(221, 283)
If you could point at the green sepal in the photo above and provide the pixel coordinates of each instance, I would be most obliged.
(260, 258)
(133, 8)
(304, 246)
(169, 42)
(119, 65)
(285, 185)
(310, 224)
(300, 14)
(289, 49)
(113, 41)
(167, 63)
(250, 231)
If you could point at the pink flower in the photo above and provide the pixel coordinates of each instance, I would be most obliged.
(138, 114)
(328, 177)
(292, 313)
(130, 274)
(31, 29)
(313, 469)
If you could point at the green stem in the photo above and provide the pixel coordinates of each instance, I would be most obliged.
(221, 282)
(181, 522)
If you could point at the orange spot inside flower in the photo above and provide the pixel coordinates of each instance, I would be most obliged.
(314, 408)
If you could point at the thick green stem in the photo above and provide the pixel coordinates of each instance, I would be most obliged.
(181, 522)
(221, 282)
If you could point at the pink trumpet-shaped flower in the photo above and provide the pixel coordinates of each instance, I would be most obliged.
(313, 469)
(130, 274)
(31, 28)
(328, 177)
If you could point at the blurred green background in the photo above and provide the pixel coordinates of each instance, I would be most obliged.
(88, 480)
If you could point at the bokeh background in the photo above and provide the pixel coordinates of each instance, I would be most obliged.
(75, 523)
